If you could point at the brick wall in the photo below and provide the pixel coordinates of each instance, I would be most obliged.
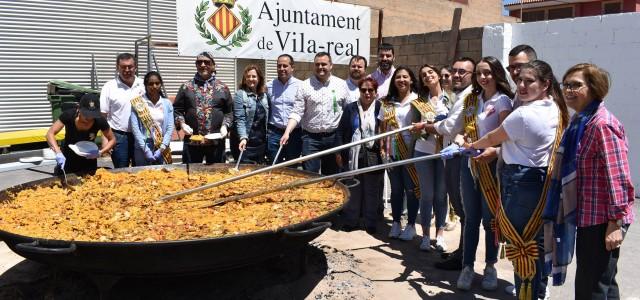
(415, 50)
(402, 17)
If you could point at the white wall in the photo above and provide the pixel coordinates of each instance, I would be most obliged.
(610, 41)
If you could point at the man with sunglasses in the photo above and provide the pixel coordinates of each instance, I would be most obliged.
(203, 105)
(461, 78)
(519, 56)
(115, 106)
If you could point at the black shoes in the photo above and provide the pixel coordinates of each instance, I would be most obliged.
(453, 261)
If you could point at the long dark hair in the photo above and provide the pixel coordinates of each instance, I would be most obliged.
(424, 90)
(498, 73)
(148, 77)
(260, 87)
(393, 90)
(544, 73)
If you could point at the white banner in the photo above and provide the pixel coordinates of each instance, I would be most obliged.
(264, 29)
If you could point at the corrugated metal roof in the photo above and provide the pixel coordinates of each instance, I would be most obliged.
(44, 40)
(519, 2)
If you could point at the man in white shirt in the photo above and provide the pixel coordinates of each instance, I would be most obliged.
(385, 69)
(115, 106)
(461, 73)
(318, 108)
(282, 94)
(357, 69)
(519, 56)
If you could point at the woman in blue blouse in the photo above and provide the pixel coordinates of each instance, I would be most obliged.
(250, 112)
(151, 115)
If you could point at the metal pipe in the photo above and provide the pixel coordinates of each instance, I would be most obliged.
(149, 35)
(380, 18)
(284, 164)
(323, 178)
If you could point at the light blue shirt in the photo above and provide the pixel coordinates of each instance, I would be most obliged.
(282, 98)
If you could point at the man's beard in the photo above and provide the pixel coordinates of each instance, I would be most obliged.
(357, 77)
(458, 89)
(385, 66)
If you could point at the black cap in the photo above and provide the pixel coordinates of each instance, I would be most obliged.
(90, 106)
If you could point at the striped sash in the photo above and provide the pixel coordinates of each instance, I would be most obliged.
(428, 113)
(397, 146)
(522, 250)
(142, 110)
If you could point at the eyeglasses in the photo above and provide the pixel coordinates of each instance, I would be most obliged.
(460, 72)
(572, 86)
(514, 67)
(363, 90)
(126, 68)
(205, 62)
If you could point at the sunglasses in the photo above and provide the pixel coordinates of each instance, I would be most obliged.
(514, 67)
(205, 62)
(460, 72)
(363, 90)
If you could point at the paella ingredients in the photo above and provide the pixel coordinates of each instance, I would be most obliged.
(197, 138)
(122, 207)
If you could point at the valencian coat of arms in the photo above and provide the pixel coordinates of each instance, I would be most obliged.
(228, 30)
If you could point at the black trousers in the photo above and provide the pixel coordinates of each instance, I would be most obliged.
(452, 181)
(596, 267)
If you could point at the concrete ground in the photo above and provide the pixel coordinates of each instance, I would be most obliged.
(340, 265)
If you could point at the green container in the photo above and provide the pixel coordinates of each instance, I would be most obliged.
(64, 96)
(60, 103)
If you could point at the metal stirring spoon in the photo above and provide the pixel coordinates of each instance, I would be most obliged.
(275, 159)
(239, 160)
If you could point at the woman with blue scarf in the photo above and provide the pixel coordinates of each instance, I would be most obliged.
(590, 202)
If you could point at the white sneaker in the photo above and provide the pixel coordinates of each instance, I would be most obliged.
(396, 229)
(465, 278)
(425, 245)
(450, 225)
(490, 278)
(408, 233)
(441, 245)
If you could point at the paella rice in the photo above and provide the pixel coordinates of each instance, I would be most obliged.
(123, 207)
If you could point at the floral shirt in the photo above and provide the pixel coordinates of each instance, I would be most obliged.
(204, 105)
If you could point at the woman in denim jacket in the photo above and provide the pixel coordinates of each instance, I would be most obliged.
(161, 111)
(250, 112)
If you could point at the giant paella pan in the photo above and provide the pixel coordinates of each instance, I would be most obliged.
(112, 224)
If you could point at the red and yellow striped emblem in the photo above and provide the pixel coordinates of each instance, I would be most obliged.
(224, 21)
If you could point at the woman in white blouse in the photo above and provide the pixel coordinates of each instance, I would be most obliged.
(396, 113)
(431, 106)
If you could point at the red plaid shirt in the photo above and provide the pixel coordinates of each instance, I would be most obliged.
(605, 190)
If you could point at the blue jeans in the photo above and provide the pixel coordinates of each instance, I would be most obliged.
(140, 160)
(316, 142)
(122, 153)
(476, 210)
(290, 151)
(521, 188)
(401, 186)
(432, 191)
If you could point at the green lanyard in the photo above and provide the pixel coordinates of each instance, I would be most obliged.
(335, 102)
